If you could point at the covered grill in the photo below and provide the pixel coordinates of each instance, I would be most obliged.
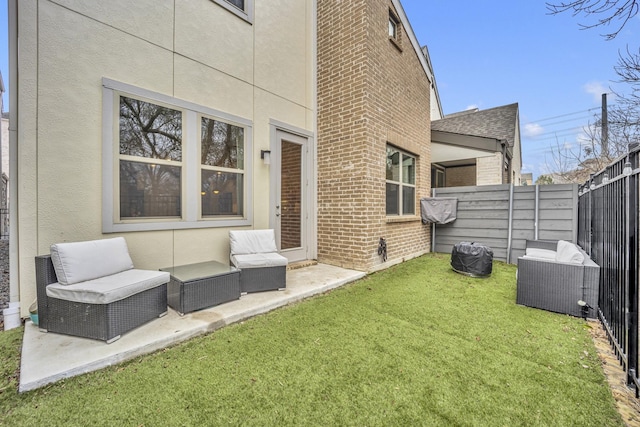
(472, 259)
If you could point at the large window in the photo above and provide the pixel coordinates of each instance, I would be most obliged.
(401, 182)
(172, 164)
(150, 161)
(222, 163)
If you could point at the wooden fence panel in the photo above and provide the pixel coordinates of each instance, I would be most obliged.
(503, 219)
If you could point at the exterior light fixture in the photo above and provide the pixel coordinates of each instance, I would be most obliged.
(605, 178)
(265, 155)
(592, 186)
(627, 169)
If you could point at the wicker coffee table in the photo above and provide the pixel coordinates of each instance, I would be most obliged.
(196, 286)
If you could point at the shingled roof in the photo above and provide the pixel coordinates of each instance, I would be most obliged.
(498, 123)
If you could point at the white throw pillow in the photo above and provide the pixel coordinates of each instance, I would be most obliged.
(568, 252)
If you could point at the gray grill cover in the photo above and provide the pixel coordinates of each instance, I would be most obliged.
(439, 210)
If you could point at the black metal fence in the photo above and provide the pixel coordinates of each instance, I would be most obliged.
(608, 230)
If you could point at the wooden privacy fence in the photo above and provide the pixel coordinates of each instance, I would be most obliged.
(503, 217)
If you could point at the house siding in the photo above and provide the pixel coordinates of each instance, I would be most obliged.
(371, 92)
(193, 50)
(490, 170)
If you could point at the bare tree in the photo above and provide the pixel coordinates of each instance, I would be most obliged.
(623, 123)
(615, 12)
(575, 161)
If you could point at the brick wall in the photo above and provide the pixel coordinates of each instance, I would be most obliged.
(460, 176)
(290, 209)
(371, 91)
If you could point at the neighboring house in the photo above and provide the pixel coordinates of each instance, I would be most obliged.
(374, 112)
(477, 147)
(527, 178)
(155, 120)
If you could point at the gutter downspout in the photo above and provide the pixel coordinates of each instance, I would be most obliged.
(14, 265)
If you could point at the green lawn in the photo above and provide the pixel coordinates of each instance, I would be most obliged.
(416, 344)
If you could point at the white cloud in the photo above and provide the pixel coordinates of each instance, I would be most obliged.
(596, 89)
(532, 130)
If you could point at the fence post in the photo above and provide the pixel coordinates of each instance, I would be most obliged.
(510, 231)
(631, 277)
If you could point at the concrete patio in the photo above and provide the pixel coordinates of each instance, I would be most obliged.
(50, 357)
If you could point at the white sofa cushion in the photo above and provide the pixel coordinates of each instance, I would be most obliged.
(537, 253)
(252, 241)
(569, 253)
(81, 261)
(258, 260)
(108, 289)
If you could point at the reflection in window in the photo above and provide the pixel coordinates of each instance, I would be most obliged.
(149, 130)
(149, 190)
(237, 3)
(393, 164)
(222, 144)
(401, 183)
(222, 193)
(150, 154)
(222, 168)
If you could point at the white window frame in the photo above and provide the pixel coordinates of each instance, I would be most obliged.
(191, 167)
(402, 184)
(246, 14)
(393, 27)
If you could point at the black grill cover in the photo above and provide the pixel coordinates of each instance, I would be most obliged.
(472, 259)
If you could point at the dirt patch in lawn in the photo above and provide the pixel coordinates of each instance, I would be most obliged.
(625, 397)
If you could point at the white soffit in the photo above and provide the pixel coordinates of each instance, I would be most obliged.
(446, 153)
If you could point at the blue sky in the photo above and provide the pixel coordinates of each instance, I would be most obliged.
(495, 52)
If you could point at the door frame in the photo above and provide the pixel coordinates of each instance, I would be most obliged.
(309, 231)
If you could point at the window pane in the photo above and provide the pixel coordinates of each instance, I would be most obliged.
(222, 144)
(237, 3)
(408, 200)
(222, 193)
(149, 130)
(148, 190)
(393, 164)
(392, 199)
(408, 169)
(392, 28)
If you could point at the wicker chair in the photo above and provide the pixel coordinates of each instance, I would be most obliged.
(255, 254)
(557, 286)
(101, 303)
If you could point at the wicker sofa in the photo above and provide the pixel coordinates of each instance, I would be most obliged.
(555, 275)
(91, 290)
(255, 254)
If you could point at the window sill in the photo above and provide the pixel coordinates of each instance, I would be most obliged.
(395, 43)
(125, 227)
(401, 219)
